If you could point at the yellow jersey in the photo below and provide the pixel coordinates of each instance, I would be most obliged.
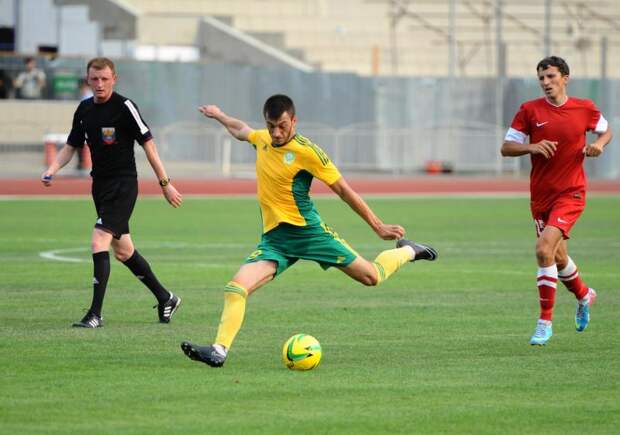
(284, 174)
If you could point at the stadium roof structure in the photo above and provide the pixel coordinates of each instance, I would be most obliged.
(507, 36)
(473, 38)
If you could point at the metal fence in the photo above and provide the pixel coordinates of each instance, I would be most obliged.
(359, 148)
(388, 124)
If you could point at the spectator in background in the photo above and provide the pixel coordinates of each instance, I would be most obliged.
(30, 83)
(5, 85)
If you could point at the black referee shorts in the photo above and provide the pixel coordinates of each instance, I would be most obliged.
(114, 200)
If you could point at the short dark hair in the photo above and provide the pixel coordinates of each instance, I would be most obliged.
(554, 61)
(100, 63)
(276, 105)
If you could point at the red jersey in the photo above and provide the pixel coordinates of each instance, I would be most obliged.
(567, 125)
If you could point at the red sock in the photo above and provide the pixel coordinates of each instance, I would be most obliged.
(571, 279)
(547, 281)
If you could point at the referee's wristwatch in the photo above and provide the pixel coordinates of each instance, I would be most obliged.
(164, 182)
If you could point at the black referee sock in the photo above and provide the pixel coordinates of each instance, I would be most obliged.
(141, 268)
(101, 263)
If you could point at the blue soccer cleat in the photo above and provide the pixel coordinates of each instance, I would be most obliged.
(542, 334)
(582, 316)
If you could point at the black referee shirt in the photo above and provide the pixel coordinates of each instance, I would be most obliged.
(110, 130)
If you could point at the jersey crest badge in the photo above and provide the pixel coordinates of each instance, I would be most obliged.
(289, 157)
(108, 135)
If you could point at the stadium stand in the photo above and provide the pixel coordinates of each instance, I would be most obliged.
(399, 36)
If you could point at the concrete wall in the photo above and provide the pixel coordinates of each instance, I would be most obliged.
(27, 122)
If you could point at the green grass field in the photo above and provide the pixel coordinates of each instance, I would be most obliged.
(439, 348)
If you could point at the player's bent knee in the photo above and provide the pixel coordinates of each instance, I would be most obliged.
(369, 280)
(544, 253)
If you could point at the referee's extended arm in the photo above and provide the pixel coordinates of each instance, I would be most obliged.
(62, 158)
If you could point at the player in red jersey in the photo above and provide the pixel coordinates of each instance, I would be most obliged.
(556, 125)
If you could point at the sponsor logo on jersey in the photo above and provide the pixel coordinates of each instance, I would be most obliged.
(562, 221)
(99, 221)
(289, 157)
(540, 124)
(108, 135)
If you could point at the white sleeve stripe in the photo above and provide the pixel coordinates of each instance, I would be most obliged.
(515, 136)
(136, 117)
(601, 125)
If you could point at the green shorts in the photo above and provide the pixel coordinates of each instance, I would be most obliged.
(287, 243)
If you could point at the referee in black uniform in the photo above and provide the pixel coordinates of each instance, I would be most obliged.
(110, 123)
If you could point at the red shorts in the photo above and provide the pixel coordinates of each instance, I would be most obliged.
(562, 214)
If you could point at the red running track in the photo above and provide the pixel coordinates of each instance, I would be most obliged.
(427, 185)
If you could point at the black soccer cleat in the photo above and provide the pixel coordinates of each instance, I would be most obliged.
(90, 320)
(206, 354)
(422, 252)
(168, 308)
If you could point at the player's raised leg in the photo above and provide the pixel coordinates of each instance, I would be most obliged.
(388, 262)
(250, 277)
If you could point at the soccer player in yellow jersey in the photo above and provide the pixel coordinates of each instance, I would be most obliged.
(286, 163)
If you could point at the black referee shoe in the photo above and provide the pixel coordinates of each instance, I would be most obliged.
(206, 354)
(422, 252)
(167, 309)
(90, 320)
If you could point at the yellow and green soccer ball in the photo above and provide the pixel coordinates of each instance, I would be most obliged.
(301, 352)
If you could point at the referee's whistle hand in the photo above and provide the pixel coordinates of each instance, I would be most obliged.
(46, 179)
(173, 196)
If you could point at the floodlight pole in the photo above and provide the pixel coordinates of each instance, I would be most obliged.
(547, 37)
(393, 43)
(451, 69)
(606, 167)
(500, 72)
(16, 26)
(452, 38)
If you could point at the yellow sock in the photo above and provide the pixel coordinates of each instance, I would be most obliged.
(232, 315)
(390, 261)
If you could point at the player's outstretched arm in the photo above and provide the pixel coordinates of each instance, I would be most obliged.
(173, 197)
(348, 195)
(237, 128)
(595, 149)
(62, 158)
